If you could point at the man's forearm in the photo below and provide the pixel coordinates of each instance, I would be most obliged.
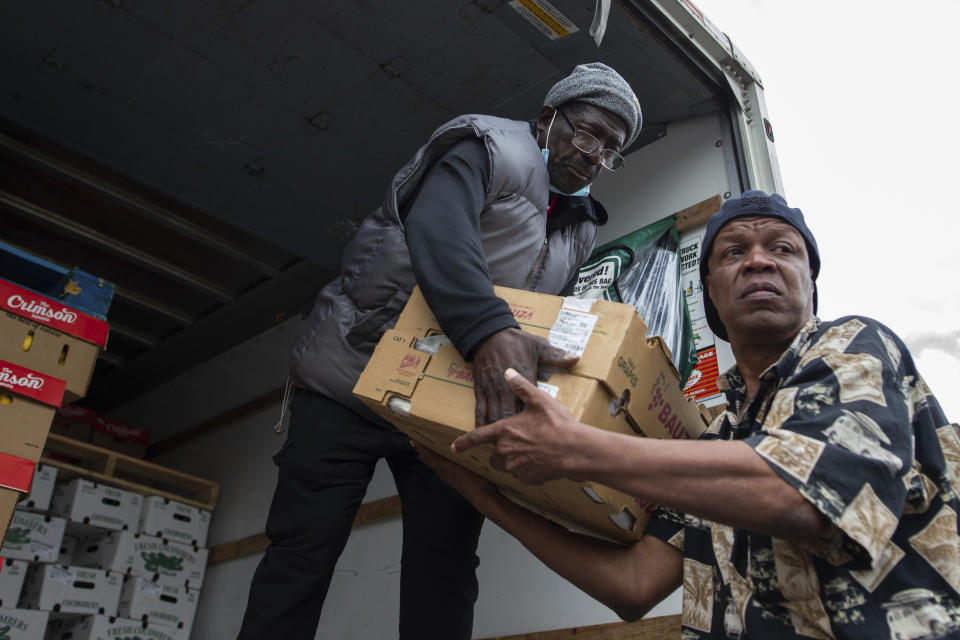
(628, 579)
(724, 482)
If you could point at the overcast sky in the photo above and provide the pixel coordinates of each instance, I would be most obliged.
(863, 98)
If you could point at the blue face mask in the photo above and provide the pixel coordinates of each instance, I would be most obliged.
(545, 152)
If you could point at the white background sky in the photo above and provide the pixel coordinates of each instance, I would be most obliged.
(864, 98)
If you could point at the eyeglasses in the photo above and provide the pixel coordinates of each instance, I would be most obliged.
(586, 142)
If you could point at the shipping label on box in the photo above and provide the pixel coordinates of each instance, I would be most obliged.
(28, 400)
(12, 574)
(610, 338)
(429, 396)
(160, 560)
(120, 436)
(169, 605)
(41, 490)
(47, 336)
(23, 624)
(109, 628)
(74, 421)
(33, 536)
(166, 518)
(54, 587)
(89, 506)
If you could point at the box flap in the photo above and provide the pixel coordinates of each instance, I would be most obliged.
(39, 308)
(31, 384)
(397, 369)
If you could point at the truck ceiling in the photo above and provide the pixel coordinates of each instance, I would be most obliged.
(212, 157)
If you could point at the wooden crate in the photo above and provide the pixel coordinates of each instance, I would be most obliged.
(74, 458)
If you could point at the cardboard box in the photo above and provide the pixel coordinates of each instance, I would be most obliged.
(8, 503)
(23, 624)
(62, 589)
(169, 605)
(623, 383)
(74, 421)
(430, 398)
(41, 489)
(34, 536)
(120, 436)
(28, 400)
(68, 550)
(109, 628)
(45, 335)
(166, 518)
(90, 506)
(12, 574)
(150, 557)
(611, 340)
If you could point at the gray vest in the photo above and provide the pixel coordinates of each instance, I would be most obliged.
(353, 310)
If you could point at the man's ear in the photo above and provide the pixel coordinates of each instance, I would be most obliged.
(542, 122)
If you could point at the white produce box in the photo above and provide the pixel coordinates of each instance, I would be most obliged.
(166, 518)
(91, 507)
(33, 536)
(53, 587)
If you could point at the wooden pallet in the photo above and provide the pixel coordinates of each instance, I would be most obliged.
(80, 459)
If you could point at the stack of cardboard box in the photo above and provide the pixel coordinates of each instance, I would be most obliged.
(104, 562)
(624, 382)
(85, 424)
(47, 354)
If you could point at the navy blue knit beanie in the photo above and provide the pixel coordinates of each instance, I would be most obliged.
(753, 203)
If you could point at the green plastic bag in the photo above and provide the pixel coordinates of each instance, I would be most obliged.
(642, 268)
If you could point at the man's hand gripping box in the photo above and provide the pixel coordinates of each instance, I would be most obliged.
(622, 383)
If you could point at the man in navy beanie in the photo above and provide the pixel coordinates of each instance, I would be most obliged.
(821, 504)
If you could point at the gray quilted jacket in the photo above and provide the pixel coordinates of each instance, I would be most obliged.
(352, 311)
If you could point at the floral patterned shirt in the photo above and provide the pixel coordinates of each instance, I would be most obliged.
(845, 418)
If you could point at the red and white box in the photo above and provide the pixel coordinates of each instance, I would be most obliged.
(120, 436)
(45, 335)
(90, 507)
(28, 400)
(75, 422)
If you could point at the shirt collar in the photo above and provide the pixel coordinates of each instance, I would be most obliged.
(731, 380)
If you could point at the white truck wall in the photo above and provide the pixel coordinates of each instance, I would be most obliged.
(679, 170)
(518, 594)
(693, 162)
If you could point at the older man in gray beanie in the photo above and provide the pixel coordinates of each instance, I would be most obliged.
(486, 201)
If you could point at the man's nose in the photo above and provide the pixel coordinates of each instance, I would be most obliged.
(759, 259)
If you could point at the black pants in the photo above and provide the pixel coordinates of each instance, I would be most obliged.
(324, 468)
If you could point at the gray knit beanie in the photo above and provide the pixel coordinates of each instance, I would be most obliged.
(601, 86)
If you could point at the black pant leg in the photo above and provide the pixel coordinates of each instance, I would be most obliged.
(324, 468)
(438, 580)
